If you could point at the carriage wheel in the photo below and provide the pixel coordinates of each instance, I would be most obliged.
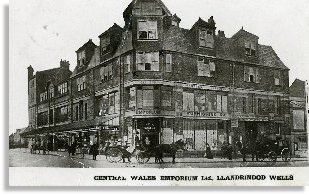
(142, 157)
(113, 155)
(286, 155)
(272, 156)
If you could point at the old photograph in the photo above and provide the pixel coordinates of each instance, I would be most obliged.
(159, 90)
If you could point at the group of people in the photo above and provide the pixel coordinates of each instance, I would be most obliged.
(94, 150)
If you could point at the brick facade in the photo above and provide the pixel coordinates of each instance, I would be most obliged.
(152, 78)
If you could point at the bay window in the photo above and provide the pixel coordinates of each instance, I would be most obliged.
(147, 30)
(147, 61)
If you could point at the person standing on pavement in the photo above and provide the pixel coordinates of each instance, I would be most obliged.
(95, 151)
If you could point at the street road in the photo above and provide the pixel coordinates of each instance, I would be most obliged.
(23, 158)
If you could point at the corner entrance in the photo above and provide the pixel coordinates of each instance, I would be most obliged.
(149, 131)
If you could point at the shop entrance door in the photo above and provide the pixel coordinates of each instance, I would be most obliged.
(149, 132)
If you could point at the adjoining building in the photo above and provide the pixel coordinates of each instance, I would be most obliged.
(299, 115)
(154, 80)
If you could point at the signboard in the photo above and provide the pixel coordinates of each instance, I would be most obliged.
(207, 114)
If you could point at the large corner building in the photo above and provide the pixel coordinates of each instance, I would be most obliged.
(152, 78)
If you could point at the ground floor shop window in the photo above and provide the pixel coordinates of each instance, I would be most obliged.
(167, 131)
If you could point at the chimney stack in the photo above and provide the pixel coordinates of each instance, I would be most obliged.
(221, 33)
(64, 64)
(30, 72)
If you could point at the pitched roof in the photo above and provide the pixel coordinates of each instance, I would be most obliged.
(131, 5)
(202, 23)
(242, 33)
(268, 57)
(111, 28)
(88, 43)
(56, 76)
(297, 89)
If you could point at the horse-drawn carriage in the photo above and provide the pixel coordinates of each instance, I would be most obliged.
(115, 154)
(272, 149)
(268, 149)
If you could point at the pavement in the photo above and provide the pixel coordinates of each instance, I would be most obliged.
(23, 158)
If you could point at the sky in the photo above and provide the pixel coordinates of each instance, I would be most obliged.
(42, 32)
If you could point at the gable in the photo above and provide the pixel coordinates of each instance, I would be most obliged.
(149, 7)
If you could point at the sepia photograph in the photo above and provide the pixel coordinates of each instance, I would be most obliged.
(158, 93)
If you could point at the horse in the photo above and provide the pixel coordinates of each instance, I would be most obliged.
(171, 149)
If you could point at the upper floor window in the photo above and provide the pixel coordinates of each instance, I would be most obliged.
(277, 77)
(205, 67)
(51, 91)
(166, 94)
(43, 96)
(168, 63)
(63, 88)
(127, 63)
(147, 30)
(81, 58)
(147, 61)
(81, 83)
(251, 74)
(250, 48)
(105, 42)
(106, 73)
(206, 38)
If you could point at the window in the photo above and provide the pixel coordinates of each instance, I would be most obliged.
(43, 118)
(250, 48)
(81, 83)
(166, 94)
(127, 64)
(148, 97)
(205, 68)
(244, 105)
(61, 114)
(106, 73)
(277, 77)
(51, 91)
(277, 105)
(76, 113)
(43, 96)
(81, 58)
(211, 101)
(63, 88)
(168, 65)
(105, 42)
(109, 104)
(251, 74)
(221, 102)
(86, 111)
(251, 103)
(188, 101)
(147, 61)
(206, 38)
(174, 23)
(147, 30)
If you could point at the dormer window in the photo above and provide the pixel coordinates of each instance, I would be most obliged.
(81, 58)
(206, 38)
(105, 42)
(147, 30)
(250, 48)
(43, 96)
(174, 23)
(147, 8)
(51, 91)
